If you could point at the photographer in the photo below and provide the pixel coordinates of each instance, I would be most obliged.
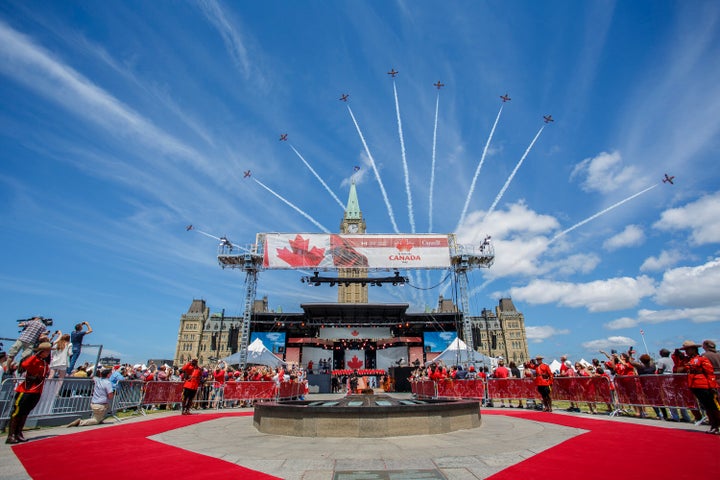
(32, 330)
(76, 338)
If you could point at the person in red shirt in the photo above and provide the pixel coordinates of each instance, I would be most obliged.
(702, 382)
(29, 390)
(191, 374)
(543, 382)
(501, 371)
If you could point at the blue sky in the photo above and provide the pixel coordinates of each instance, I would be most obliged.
(123, 122)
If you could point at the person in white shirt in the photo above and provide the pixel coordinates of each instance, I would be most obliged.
(100, 403)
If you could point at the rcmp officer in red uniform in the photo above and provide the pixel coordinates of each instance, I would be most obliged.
(702, 382)
(28, 390)
(543, 382)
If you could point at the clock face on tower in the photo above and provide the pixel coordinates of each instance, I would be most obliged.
(352, 228)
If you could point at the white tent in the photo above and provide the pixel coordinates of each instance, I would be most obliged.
(257, 354)
(458, 353)
(555, 366)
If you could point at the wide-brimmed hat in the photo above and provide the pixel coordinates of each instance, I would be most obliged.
(44, 346)
(539, 357)
(689, 344)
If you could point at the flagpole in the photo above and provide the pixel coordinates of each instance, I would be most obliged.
(642, 334)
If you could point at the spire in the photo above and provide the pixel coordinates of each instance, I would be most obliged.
(352, 211)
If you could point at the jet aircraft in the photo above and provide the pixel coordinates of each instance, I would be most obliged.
(548, 118)
(283, 137)
(669, 179)
(439, 85)
(392, 72)
(344, 97)
(246, 173)
(505, 98)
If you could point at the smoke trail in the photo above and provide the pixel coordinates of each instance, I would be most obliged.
(377, 174)
(603, 212)
(411, 214)
(219, 239)
(568, 230)
(315, 222)
(477, 170)
(432, 168)
(507, 183)
(318, 177)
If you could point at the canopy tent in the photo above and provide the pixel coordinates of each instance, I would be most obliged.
(555, 366)
(257, 354)
(458, 353)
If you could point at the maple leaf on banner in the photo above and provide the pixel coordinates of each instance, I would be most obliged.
(355, 363)
(354, 333)
(300, 256)
(404, 245)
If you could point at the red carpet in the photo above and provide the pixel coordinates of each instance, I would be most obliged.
(617, 449)
(123, 452)
(607, 449)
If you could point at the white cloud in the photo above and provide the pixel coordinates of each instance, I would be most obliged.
(632, 236)
(654, 317)
(540, 333)
(620, 323)
(619, 343)
(603, 173)
(579, 263)
(691, 287)
(517, 221)
(667, 258)
(232, 38)
(598, 296)
(700, 217)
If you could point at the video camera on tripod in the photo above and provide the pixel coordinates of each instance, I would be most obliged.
(22, 323)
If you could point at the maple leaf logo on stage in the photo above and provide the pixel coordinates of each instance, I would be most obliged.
(355, 363)
(354, 333)
(300, 256)
(403, 245)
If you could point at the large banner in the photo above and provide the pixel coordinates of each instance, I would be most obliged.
(323, 251)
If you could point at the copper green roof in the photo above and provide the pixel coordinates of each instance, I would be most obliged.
(352, 211)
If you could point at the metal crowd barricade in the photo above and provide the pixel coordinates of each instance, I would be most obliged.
(511, 389)
(248, 391)
(128, 395)
(290, 390)
(449, 388)
(582, 389)
(654, 391)
(162, 393)
(60, 397)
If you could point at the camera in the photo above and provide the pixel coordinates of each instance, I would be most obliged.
(22, 323)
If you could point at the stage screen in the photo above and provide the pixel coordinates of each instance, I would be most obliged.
(438, 341)
(273, 341)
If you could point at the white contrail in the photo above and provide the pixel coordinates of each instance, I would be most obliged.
(603, 212)
(507, 183)
(432, 167)
(377, 174)
(315, 222)
(568, 230)
(218, 238)
(411, 214)
(477, 170)
(318, 177)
